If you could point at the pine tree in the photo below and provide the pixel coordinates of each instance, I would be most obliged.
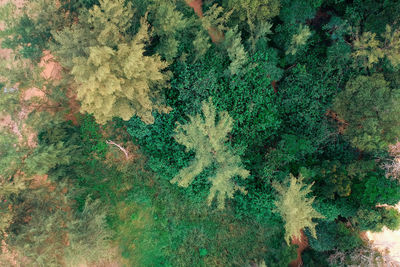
(201, 43)
(299, 39)
(167, 23)
(391, 45)
(89, 235)
(10, 163)
(114, 77)
(207, 138)
(371, 50)
(216, 17)
(368, 48)
(254, 11)
(236, 51)
(45, 158)
(295, 207)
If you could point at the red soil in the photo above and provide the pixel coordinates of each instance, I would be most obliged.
(303, 244)
(74, 108)
(341, 123)
(51, 68)
(197, 7)
(273, 83)
(216, 35)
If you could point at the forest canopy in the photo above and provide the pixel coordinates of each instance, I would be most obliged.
(198, 133)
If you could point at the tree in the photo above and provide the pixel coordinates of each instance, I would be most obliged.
(89, 235)
(46, 158)
(376, 218)
(10, 162)
(118, 83)
(299, 39)
(236, 52)
(253, 11)
(114, 77)
(28, 33)
(295, 207)
(168, 24)
(372, 110)
(371, 50)
(207, 138)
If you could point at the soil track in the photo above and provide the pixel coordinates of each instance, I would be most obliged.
(303, 244)
(216, 35)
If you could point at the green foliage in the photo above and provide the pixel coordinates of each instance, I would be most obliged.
(291, 148)
(369, 128)
(293, 89)
(207, 137)
(89, 235)
(333, 179)
(331, 236)
(40, 238)
(349, 239)
(259, 35)
(296, 208)
(299, 39)
(168, 23)
(46, 158)
(297, 11)
(236, 52)
(308, 94)
(371, 50)
(110, 83)
(254, 11)
(313, 258)
(376, 189)
(10, 162)
(251, 102)
(28, 34)
(326, 238)
(90, 133)
(375, 219)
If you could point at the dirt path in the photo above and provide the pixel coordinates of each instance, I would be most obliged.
(216, 35)
(303, 244)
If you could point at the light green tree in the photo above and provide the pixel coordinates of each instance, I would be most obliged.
(89, 235)
(10, 163)
(168, 23)
(216, 17)
(113, 76)
(207, 138)
(254, 10)
(299, 39)
(295, 207)
(201, 43)
(391, 45)
(371, 50)
(236, 52)
(214, 22)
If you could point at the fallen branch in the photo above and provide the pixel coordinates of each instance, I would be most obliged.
(109, 142)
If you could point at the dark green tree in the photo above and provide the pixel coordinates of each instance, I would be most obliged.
(371, 108)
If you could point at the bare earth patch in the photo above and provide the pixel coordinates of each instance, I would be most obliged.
(387, 241)
(216, 35)
(303, 244)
